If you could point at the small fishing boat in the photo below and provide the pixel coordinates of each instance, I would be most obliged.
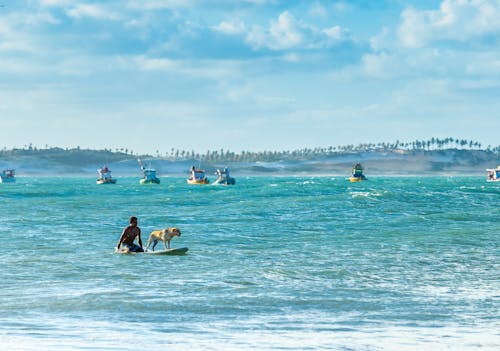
(105, 176)
(197, 176)
(493, 174)
(357, 173)
(149, 175)
(8, 176)
(224, 178)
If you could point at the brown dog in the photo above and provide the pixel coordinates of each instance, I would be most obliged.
(164, 235)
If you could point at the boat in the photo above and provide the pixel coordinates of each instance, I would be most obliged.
(357, 173)
(105, 176)
(197, 176)
(224, 178)
(493, 174)
(8, 176)
(149, 175)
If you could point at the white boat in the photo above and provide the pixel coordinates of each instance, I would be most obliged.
(224, 178)
(8, 176)
(105, 176)
(493, 174)
(148, 175)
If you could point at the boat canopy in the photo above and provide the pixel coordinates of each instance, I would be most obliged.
(493, 173)
(199, 174)
(357, 170)
(104, 172)
(149, 173)
(8, 173)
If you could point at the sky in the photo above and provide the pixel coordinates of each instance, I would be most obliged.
(252, 75)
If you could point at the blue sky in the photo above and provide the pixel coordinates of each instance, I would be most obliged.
(247, 74)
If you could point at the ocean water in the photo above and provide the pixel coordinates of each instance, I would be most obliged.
(281, 263)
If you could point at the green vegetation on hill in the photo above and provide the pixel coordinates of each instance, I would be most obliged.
(75, 156)
(80, 157)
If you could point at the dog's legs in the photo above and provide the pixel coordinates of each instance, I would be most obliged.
(154, 244)
(165, 243)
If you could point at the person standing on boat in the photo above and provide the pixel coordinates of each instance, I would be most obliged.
(128, 236)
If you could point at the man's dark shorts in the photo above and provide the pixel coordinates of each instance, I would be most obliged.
(133, 247)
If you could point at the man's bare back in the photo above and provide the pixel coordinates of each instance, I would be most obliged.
(129, 234)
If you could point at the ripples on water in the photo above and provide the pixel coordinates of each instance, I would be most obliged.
(282, 263)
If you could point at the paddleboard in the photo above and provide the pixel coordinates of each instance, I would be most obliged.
(176, 251)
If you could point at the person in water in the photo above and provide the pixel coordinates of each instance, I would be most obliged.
(128, 236)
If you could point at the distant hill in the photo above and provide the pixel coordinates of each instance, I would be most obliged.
(376, 161)
(60, 161)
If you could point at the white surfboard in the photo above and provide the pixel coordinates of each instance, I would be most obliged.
(176, 251)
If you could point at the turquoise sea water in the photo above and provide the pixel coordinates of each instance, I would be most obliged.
(291, 263)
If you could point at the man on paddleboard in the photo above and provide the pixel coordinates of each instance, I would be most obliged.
(128, 236)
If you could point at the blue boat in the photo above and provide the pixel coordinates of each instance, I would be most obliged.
(8, 176)
(357, 173)
(148, 175)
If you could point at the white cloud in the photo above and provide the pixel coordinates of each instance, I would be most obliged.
(381, 65)
(15, 36)
(55, 3)
(92, 11)
(455, 20)
(342, 6)
(484, 64)
(200, 69)
(335, 33)
(153, 64)
(415, 48)
(230, 27)
(287, 33)
(40, 18)
(16, 66)
(406, 65)
(260, 2)
(292, 57)
(16, 46)
(317, 10)
(5, 29)
(382, 40)
(152, 5)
